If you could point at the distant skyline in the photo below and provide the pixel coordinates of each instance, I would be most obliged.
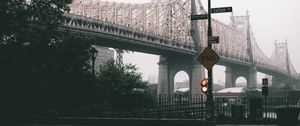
(271, 20)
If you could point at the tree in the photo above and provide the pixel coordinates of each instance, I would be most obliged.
(41, 68)
(152, 89)
(285, 87)
(251, 93)
(121, 86)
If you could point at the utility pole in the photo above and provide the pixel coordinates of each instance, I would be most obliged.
(209, 102)
(208, 58)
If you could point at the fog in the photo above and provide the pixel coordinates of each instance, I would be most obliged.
(271, 20)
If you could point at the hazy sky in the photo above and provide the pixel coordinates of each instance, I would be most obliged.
(270, 20)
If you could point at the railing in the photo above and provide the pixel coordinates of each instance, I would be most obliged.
(228, 110)
(164, 107)
(259, 110)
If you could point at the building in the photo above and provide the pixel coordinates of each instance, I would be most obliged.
(104, 54)
(231, 92)
(184, 84)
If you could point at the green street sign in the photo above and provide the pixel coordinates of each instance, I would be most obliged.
(199, 17)
(213, 39)
(221, 10)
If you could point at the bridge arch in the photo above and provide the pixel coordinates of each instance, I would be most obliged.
(177, 67)
(181, 81)
(240, 81)
(233, 73)
(170, 65)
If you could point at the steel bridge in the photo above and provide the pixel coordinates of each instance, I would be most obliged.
(163, 27)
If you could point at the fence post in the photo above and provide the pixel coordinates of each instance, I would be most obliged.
(159, 107)
(180, 103)
(202, 107)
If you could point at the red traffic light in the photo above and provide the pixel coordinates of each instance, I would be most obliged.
(204, 85)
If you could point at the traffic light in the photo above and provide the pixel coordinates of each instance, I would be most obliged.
(204, 85)
(264, 88)
(265, 81)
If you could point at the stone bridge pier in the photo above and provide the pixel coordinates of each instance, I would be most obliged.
(232, 73)
(170, 65)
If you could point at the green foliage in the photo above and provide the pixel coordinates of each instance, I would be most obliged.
(42, 68)
(251, 93)
(285, 87)
(152, 89)
(121, 86)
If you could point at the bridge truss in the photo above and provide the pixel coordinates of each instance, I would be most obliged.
(169, 20)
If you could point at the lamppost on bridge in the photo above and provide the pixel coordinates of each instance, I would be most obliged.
(93, 54)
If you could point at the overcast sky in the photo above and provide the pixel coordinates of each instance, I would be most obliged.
(270, 20)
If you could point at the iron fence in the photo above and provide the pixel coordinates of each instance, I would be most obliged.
(226, 109)
(165, 106)
(251, 110)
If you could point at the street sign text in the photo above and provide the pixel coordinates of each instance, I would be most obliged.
(213, 39)
(221, 10)
(199, 17)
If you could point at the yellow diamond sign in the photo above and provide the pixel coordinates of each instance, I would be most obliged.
(208, 58)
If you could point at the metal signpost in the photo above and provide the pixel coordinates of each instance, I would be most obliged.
(209, 59)
(210, 120)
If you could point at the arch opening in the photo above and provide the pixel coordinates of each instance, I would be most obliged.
(181, 82)
(241, 82)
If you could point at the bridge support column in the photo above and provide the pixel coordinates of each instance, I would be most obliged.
(170, 65)
(198, 74)
(228, 78)
(163, 78)
(252, 79)
(232, 73)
